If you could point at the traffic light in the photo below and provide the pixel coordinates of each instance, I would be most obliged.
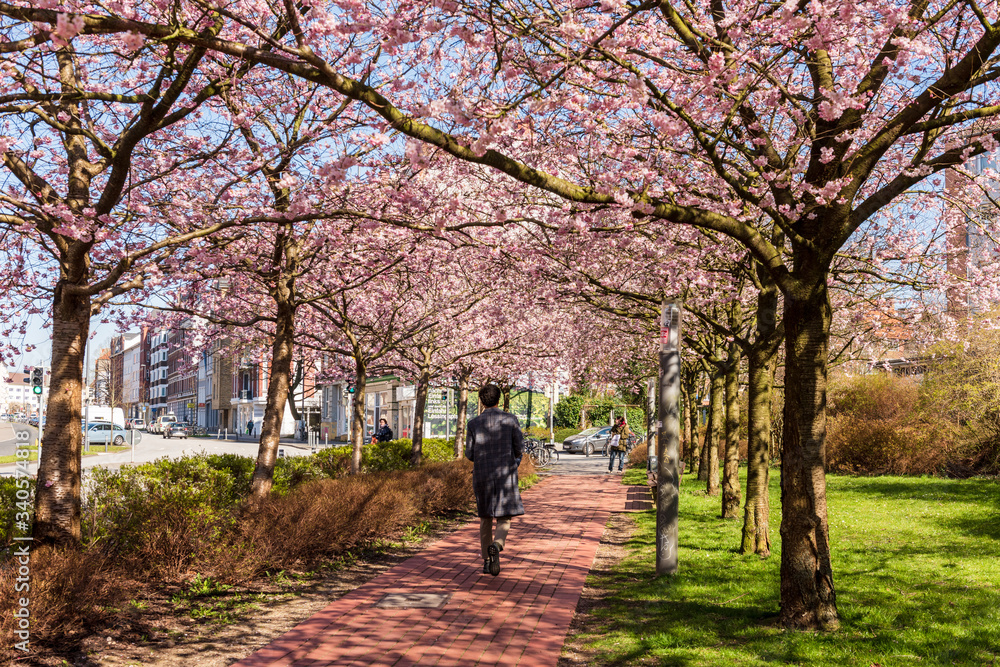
(37, 380)
(349, 390)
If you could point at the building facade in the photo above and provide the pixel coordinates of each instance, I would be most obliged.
(158, 370)
(182, 376)
(130, 358)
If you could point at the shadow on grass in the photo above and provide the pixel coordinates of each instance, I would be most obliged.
(920, 592)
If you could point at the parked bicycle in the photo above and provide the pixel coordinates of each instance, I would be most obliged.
(539, 453)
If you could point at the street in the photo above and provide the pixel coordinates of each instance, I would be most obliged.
(8, 436)
(150, 448)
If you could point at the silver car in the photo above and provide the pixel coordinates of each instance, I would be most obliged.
(589, 441)
(103, 433)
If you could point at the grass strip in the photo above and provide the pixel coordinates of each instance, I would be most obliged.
(915, 567)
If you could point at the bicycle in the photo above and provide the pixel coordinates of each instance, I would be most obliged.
(540, 455)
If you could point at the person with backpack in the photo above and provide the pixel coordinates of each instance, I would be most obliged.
(619, 436)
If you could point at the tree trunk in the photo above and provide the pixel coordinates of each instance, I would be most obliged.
(756, 514)
(292, 386)
(278, 382)
(652, 401)
(713, 439)
(358, 413)
(731, 465)
(685, 418)
(57, 493)
(506, 397)
(420, 404)
(808, 599)
(694, 453)
(761, 362)
(463, 412)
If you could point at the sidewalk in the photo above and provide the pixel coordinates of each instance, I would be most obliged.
(437, 608)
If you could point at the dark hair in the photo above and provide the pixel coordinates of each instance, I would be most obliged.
(383, 419)
(490, 395)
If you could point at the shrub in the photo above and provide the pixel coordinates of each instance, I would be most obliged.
(877, 396)
(333, 515)
(876, 427)
(564, 433)
(167, 513)
(637, 457)
(9, 487)
(73, 594)
(567, 411)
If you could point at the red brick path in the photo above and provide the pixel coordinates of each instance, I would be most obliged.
(518, 618)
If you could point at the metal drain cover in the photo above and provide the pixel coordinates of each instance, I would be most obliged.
(413, 600)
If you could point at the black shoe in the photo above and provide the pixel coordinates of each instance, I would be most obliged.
(486, 566)
(494, 562)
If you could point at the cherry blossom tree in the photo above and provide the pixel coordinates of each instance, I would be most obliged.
(100, 143)
(741, 120)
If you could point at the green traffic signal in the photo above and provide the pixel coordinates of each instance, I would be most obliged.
(36, 389)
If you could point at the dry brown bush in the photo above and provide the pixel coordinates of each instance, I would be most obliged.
(637, 457)
(74, 593)
(877, 427)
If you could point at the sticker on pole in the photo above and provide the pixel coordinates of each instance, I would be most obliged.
(670, 327)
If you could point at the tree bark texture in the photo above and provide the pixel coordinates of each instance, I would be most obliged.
(686, 443)
(713, 438)
(358, 413)
(420, 404)
(808, 599)
(731, 464)
(757, 509)
(278, 382)
(462, 414)
(57, 492)
(694, 456)
(761, 363)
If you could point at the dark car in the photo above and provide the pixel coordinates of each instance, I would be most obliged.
(589, 441)
(177, 429)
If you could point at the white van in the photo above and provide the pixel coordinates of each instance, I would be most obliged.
(160, 422)
(101, 413)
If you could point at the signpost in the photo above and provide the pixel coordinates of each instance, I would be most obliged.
(668, 440)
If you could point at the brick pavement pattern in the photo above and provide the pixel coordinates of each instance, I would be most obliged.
(518, 618)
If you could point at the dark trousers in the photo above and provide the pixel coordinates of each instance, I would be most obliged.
(620, 454)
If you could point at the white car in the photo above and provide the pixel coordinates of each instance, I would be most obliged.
(139, 424)
(160, 422)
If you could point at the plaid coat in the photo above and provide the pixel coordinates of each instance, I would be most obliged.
(493, 441)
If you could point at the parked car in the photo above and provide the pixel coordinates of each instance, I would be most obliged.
(177, 430)
(589, 441)
(139, 424)
(160, 423)
(100, 433)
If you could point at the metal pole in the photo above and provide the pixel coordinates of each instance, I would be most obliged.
(552, 409)
(41, 420)
(668, 440)
(86, 396)
(531, 391)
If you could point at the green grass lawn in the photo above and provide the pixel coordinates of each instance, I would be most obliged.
(33, 453)
(916, 568)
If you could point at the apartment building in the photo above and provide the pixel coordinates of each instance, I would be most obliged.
(158, 370)
(182, 374)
